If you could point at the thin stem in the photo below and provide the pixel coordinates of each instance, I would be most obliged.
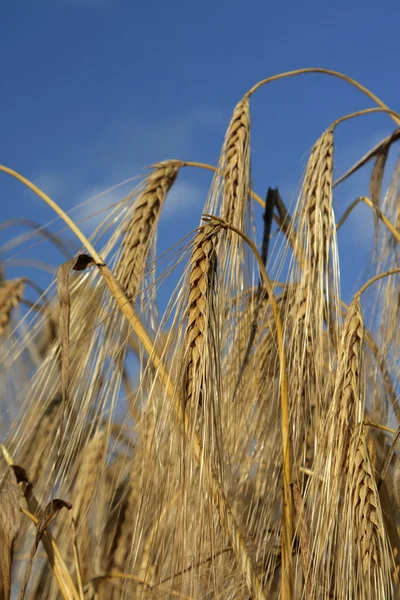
(130, 576)
(395, 232)
(366, 111)
(347, 212)
(39, 229)
(330, 72)
(287, 513)
(82, 238)
(390, 139)
(76, 554)
(200, 165)
(212, 483)
(374, 279)
(379, 426)
(283, 223)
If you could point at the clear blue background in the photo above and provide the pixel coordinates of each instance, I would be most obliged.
(93, 91)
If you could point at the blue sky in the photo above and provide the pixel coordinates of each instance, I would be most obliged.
(92, 91)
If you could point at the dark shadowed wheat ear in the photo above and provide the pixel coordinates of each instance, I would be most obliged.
(11, 292)
(86, 485)
(38, 450)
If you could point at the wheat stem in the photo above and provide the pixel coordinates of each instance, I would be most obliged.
(82, 238)
(330, 72)
(380, 426)
(225, 513)
(376, 278)
(287, 513)
(365, 111)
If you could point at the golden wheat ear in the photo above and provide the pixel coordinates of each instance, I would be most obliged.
(141, 227)
(201, 275)
(235, 163)
(369, 527)
(312, 317)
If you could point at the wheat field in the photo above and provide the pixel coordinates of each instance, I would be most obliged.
(235, 440)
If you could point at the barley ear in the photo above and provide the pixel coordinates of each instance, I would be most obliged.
(141, 227)
(236, 166)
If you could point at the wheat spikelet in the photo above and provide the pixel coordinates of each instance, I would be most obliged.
(347, 402)
(11, 292)
(314, 289)
(368, 526)
(366, 567)
(201, 275)
(316, 228)
(236, 166)
(333, 442)
(141, 227)
(318, 190)
(348, 397)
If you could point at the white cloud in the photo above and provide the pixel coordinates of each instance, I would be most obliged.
(127, 146)
(125, 149)
(96, 203)
(50, 183)
(182, 198)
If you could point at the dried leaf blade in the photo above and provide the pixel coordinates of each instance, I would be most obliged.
(49, 514)
(10, 518)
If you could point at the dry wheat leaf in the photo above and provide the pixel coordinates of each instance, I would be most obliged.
(49, 514)
(10, 518)
(388, 141)
(375, 185)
